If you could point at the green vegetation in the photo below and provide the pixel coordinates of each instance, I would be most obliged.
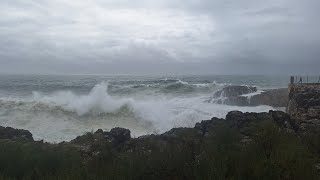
(269, 153)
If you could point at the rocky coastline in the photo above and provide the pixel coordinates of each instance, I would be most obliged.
(282, 142)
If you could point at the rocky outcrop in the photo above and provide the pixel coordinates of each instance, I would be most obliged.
(15, 134)
(271, 97)
(116, 136)
(248, 96)
(239, 119)
(304, 100)
(92, 144)
(304, 107)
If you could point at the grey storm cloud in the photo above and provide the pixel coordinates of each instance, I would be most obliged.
(159, 36)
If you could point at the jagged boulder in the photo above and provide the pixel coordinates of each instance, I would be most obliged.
(284, 120)
(311, 126)
(15, 134)
(91, 144)
(237, 118)
(205, 125)
(118, 135)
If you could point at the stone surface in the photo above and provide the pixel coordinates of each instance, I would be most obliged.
(118, 135)
(240, 96)
(304, 107)
(11, 133)
(271, 97)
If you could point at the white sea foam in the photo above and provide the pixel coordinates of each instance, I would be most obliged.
(97, 101)
(221, 84)
(249, 95)
(63, 115)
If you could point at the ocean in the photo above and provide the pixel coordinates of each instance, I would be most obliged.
(58, 108)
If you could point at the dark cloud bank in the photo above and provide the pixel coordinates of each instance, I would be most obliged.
(164, 36)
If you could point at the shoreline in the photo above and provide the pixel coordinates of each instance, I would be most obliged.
(270, 145)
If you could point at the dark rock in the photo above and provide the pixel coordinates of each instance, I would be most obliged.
(311, 126)
(283, 120)
(99, 131)
(246, 140)
(13, 134)
(240, 120)
(236, 118)
(118, 135)
(304, 108)
(304, 102)
(205, 125)
(182, 133)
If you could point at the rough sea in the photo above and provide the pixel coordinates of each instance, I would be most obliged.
(58, 108)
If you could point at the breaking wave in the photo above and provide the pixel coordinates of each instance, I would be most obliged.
(97, 101)
(62, 115)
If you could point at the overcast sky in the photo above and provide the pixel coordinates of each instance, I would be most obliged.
(160, 36)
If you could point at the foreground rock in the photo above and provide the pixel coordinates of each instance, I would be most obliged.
(89, 143)
(304, 107)
(270, 137)
(15, 134)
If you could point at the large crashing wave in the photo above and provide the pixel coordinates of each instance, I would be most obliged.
(97, 101)
(62, 115)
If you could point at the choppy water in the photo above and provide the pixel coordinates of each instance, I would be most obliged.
(58, 108)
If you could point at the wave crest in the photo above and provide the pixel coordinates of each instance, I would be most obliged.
(97, 101)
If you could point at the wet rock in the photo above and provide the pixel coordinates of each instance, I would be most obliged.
(272, 97)
(233, 101)
(15, 134)
(234, 91)
(238, 96)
